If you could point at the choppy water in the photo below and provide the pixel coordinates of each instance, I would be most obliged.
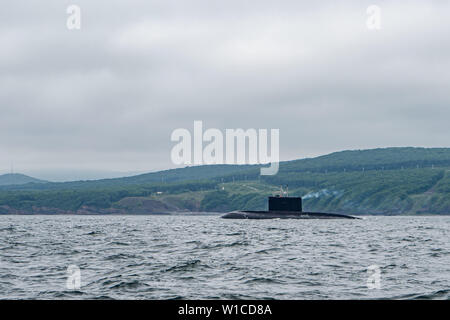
(165, 257)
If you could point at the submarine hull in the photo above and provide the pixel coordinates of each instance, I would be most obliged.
(284, 215)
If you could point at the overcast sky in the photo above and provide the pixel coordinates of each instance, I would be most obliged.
(104, 99)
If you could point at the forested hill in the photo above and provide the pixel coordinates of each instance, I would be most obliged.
(376, 181)
(373, 159)
(160, 177)
(17, 179)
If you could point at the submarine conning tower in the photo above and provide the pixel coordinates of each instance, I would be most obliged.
(285, 204)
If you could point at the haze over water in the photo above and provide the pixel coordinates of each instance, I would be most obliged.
(169, 257)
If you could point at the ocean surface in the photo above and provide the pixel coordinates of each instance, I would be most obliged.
(173, 257)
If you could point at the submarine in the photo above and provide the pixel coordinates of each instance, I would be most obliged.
(284, 207)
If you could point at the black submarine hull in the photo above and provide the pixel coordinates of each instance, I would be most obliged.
(284, 215)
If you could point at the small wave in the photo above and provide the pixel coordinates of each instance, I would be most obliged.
(236, 296)
(120, 256)
(239, 233)
(102, 298)
(224, 245)
(263, 280)
(188, 265)
(193, 242)
(94, 233)
(128, 285)
(439, 294)
(118, 243)
(75, 294)
(267, 251)
(177, 297)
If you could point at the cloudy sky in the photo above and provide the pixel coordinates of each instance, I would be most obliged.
(103, 100)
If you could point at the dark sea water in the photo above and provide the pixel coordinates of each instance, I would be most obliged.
(169, 257)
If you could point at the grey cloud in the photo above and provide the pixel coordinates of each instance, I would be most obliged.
(108, 96)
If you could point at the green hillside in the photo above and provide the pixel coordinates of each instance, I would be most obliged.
(17, 179)
(154, 178)
(377, 181)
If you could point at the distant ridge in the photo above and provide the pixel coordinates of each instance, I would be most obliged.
(375, 181)
(393, 158)
(17, 179)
